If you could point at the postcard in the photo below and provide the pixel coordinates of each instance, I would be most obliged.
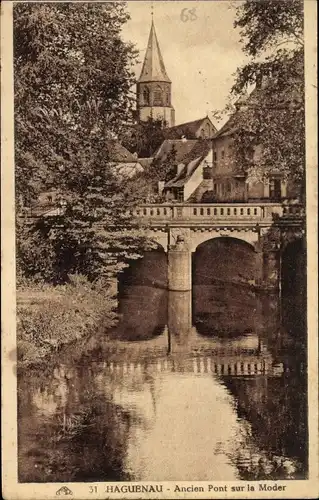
(159, 249)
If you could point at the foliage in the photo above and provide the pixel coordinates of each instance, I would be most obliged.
(271, 119)
(265, 24)
(163, 169)
(146, 184)
(73, 76)
(50, 317)
(144, 138)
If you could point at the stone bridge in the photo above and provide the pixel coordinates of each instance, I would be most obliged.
(181, 228)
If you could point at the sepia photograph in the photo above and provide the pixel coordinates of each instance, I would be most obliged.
(160, 222)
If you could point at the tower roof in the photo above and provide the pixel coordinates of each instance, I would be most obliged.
(153, 67)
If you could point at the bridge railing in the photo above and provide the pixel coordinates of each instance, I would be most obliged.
(215, 211)
(293, 210)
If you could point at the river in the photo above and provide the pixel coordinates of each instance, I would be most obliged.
(203, 385)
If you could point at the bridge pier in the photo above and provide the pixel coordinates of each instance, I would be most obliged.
(179, 258)
(179, 320)
(271, 269)
(179, 270)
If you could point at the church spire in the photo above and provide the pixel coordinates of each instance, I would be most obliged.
(153, 97)
(153, 67)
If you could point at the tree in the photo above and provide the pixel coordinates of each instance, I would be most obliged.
(268, 24)
(164, 169)
(272, 118)
(73, 75)
(145, 186)
(144, 138)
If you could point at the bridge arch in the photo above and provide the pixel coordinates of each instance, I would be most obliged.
(223, 270)
(142, 297)
(294, 269)
(148, 270)
(199, 237)
(226, 259)
(158, 236)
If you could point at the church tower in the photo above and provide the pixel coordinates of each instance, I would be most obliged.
(154, 86)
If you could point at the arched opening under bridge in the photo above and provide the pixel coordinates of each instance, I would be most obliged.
(142, 297)
(224, 271)
(294, 286)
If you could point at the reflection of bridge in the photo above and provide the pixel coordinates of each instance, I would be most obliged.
(181, 348)
(231, 366)
(180, 228)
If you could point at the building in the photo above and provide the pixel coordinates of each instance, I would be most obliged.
(192, 177)
(180, 147)
(154, 94)
(126, 164)
(204, 160)
(197, 129)
(154, 86)
(219, 177)
(231, 182)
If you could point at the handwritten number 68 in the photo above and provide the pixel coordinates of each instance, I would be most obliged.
(188, 15)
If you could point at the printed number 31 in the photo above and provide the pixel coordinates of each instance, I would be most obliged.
(188, 15)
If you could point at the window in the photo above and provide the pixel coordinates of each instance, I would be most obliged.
(158, 96)
(180, 194)
(168, 100)
(274, 189)
(215, 156)
(223, 154)
(146, 96)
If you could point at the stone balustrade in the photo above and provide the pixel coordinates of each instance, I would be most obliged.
(210, 212)
(149, 213)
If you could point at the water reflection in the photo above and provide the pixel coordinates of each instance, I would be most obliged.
(182, 391)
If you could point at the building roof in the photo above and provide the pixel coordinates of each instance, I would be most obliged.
(182, 177)
(118, 153)
(192, 160)
(153, 69)
(200, 150)
(188, 129)
(181, 146)
(145, 162)
(251, 100)
(229, 127)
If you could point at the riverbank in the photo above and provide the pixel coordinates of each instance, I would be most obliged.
(50, 317)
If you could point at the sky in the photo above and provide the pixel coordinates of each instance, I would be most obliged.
(200, 54)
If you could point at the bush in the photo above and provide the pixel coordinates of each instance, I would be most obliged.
(49, 317)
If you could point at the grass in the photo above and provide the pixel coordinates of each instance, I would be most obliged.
(49, 317)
